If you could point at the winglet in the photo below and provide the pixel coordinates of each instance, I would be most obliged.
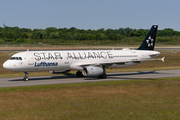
(149, 41)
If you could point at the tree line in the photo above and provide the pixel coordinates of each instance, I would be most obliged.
(21, 35)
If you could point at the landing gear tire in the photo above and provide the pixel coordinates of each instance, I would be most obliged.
(79, 74)
(103, 76)
(26, 76)
(25, 79)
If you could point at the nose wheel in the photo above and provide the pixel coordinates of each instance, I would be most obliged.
(26, 76)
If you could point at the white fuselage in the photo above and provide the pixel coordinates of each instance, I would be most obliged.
(74, 60)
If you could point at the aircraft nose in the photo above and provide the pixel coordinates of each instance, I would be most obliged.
(6, 65)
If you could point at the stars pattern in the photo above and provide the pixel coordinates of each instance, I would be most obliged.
(150, 41)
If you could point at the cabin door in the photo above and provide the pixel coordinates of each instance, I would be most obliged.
(30, 59)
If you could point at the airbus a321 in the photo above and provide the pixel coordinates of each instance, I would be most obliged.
(86, 62)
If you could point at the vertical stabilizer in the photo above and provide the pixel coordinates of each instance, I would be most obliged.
(149, 41)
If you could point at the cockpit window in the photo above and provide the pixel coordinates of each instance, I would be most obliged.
(16, 58)
(20, 58)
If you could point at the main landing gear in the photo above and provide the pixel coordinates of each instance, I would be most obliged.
(26, 76)
(103, 76)
(79, 74)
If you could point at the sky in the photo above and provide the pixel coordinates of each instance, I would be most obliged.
(90, 14)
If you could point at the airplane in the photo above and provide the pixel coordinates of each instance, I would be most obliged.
(86, 62)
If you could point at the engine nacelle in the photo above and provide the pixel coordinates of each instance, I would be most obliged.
(59, 71)
(92, 71)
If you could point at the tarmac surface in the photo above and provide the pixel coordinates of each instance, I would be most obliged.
(71, 78)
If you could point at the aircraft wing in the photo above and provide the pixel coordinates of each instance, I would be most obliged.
(106, 64)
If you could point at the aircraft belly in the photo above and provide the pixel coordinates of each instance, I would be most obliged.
(123, 65)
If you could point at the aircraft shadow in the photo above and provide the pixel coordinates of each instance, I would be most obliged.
(113, 75)
(47, 77)
(110, 76)
(135, 73)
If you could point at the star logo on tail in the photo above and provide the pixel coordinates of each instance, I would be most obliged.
(150, 41)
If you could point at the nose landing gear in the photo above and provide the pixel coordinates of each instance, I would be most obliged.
(26, 76)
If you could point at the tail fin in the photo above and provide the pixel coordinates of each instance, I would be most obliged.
(149, 41)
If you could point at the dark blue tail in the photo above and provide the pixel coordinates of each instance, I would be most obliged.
(149, 41)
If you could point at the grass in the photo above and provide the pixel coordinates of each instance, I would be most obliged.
(135, 99)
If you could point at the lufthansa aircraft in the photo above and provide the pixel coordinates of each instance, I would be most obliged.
(86, 62)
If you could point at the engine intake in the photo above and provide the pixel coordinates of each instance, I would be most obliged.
(92, 71)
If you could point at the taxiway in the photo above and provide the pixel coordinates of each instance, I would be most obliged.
(65, 79)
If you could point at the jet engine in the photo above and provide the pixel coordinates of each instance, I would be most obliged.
(59, 71)
(92, 71)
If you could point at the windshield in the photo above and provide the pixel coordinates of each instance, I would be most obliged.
(15, 58)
